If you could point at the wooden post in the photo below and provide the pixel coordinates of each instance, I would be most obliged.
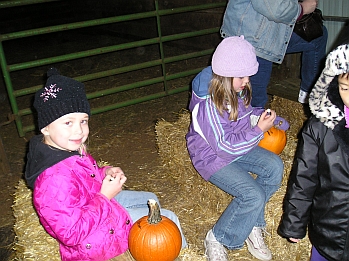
(4, 164)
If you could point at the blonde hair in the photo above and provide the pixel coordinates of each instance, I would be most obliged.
(83, 149)
(222, 94)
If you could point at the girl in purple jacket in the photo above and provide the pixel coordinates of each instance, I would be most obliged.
(79, 204)
(223, 145)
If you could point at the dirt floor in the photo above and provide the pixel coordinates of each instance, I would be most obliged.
(134, 148)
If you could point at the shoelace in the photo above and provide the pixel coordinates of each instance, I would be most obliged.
(259, 236)
(216, 250)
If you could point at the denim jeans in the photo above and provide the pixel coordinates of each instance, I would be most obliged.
(250, 195)
(136, 204)
(313, 60)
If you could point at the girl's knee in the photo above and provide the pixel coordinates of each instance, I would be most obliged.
(151, 195)
(145, 195)
(169, 214)
(277, 161)
(277, 167)
(255, 197)
(135, 199)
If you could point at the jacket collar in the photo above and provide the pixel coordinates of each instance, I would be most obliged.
(41, 157)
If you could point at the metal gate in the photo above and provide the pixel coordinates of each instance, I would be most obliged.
(194, 26)
(153, 20)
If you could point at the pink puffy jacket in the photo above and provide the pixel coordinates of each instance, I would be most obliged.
(87, 225)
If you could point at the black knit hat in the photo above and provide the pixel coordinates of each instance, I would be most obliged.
(60, 96)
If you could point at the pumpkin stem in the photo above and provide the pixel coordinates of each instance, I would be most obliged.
(154, 216)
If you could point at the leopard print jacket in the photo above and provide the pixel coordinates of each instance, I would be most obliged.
(324, 108)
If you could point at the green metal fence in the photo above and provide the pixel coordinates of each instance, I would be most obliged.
(192, 28)
(15, 93)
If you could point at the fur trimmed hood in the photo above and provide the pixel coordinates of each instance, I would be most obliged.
(324, 102)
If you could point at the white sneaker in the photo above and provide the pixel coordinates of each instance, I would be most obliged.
(303, 97)
(256, 246)
(215, 251)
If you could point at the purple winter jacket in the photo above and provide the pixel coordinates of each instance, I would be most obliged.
(213, 141)
(67, 198)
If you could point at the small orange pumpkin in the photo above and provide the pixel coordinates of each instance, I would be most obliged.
(274, 140)
(154, 237)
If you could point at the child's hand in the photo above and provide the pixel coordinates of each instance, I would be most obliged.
(113, 171)
(308, 6)
(294, 240)
(266, 120)
(112, 183)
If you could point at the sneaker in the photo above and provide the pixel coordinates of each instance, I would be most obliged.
(303, 97)
(215, 251)
(256, 246)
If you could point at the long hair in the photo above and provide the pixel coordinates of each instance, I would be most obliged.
(222, 94)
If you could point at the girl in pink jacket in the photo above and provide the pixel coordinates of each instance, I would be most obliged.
(79, 204)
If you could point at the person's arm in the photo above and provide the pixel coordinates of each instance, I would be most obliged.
(70, 215)
(279, 11)
(302, 184)
(228, 139)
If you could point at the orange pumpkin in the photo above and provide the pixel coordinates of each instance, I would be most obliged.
(274, 140)
(155, 237)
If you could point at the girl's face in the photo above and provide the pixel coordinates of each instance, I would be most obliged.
(68, 132)
(239, 83)
(343, 82)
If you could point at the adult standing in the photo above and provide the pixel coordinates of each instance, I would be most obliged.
(268, 26)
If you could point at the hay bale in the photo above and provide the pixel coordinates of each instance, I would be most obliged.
(32, 241)
(195, 196)
(199, 203)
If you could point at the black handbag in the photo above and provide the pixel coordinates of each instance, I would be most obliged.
(309, 27)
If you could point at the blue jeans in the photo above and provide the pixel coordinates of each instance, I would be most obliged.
(250, 195)
(136, 204)
(313, 60)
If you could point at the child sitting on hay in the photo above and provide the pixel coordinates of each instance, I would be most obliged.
(223, 145)
(78, 203)
(318, 192)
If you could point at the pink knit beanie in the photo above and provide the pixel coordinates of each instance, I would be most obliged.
(234, 57)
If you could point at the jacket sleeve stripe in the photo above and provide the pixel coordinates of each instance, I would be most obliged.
(220, 134)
